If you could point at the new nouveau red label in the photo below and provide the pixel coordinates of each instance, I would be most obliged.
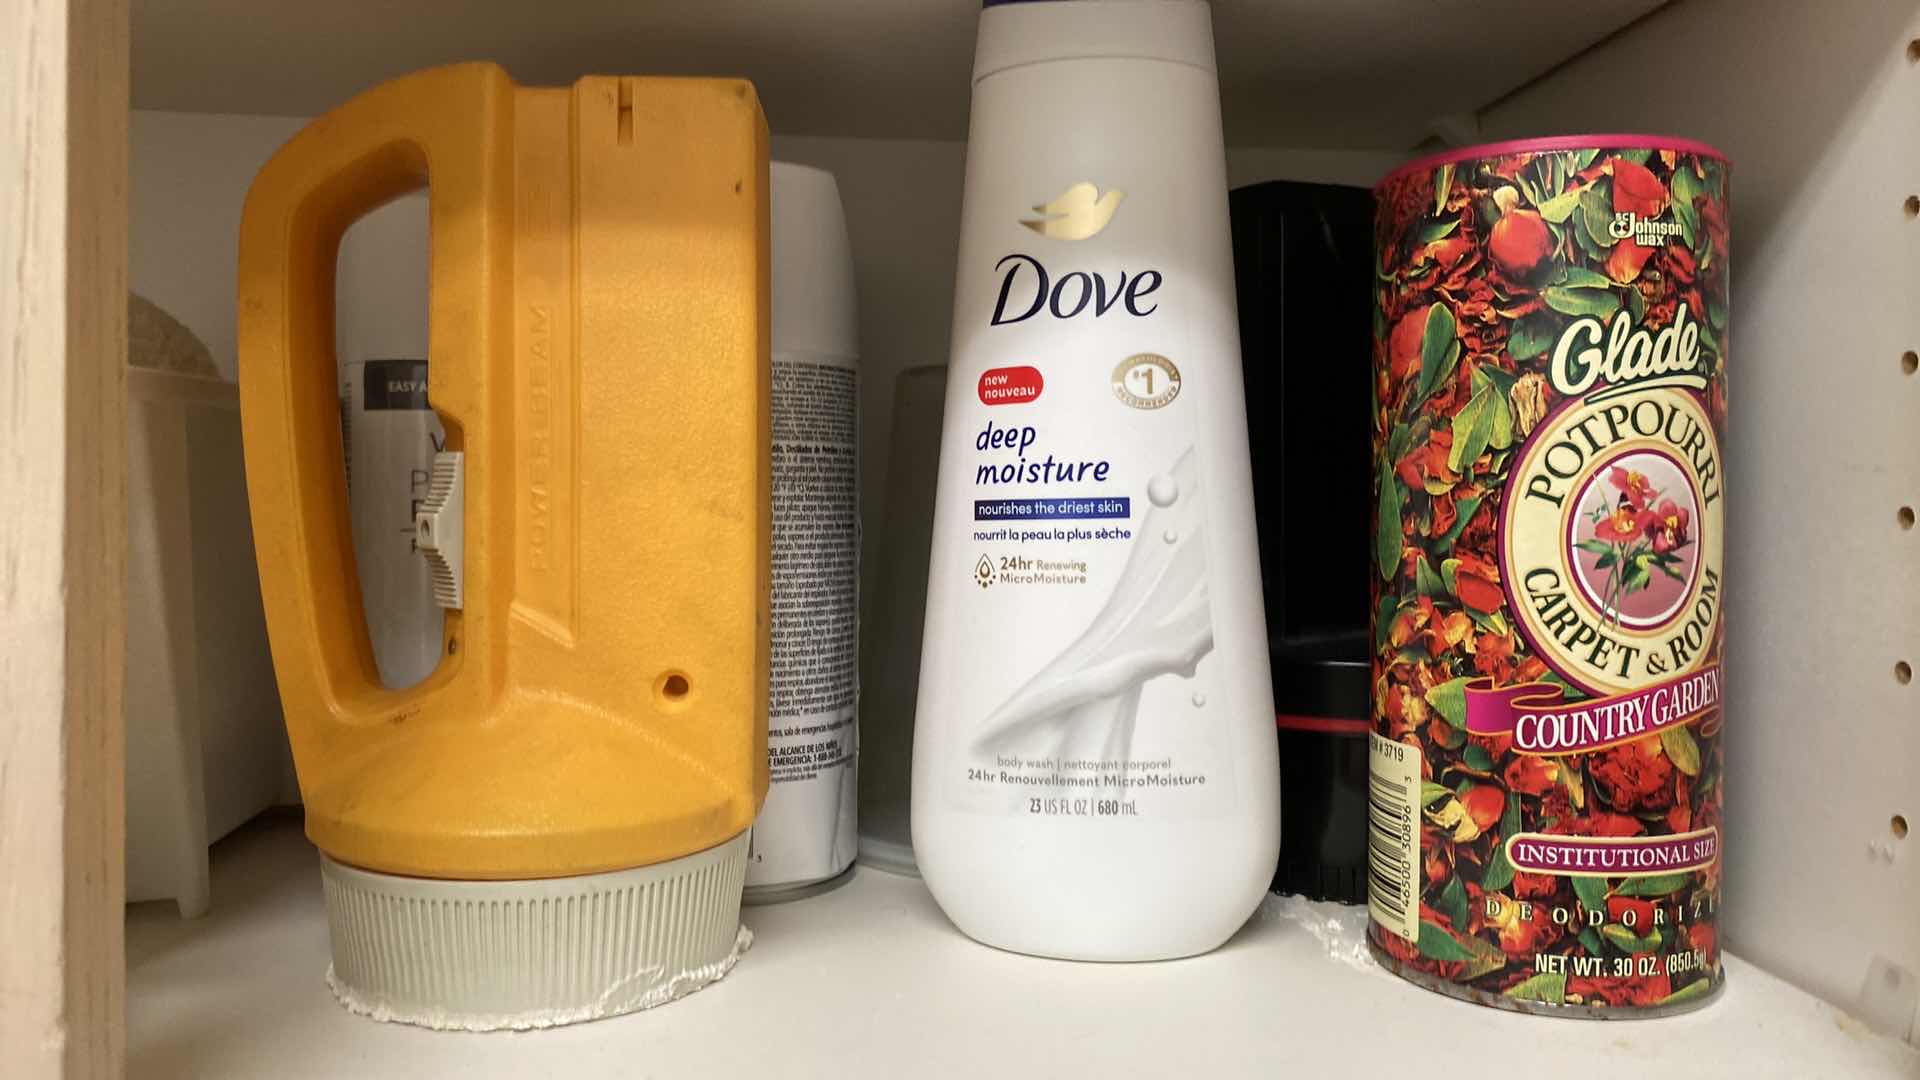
(1010, 385)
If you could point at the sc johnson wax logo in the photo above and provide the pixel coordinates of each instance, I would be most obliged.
(1076, 213)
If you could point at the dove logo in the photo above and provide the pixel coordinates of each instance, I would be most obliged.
(1073, 293)
(1076, 213)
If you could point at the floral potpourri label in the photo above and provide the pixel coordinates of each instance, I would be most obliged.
(1550, 351)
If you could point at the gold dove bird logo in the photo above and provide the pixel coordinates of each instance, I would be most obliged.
(1076, 213)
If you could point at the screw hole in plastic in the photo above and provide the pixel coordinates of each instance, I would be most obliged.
(453, 646)
(1913, 51)
(1899, 826)
(673, 687)
(1905, 516)
(1913, 206)
(1909, 362)
(1903, 673)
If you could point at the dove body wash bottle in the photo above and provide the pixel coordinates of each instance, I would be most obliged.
(1094, 767)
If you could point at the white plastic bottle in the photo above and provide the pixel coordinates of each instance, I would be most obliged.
(1095, 773)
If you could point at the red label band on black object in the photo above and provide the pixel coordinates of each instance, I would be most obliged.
(1325, 725)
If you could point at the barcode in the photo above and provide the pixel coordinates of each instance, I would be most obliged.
(1393, 837)
(1390, 859)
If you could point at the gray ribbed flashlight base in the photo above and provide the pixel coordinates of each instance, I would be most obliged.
(486, 955)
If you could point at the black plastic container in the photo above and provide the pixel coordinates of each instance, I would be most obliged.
(1303, 257)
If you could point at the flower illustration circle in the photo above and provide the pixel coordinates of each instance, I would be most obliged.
(1632, 539)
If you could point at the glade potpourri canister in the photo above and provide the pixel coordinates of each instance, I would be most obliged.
(1550, 353)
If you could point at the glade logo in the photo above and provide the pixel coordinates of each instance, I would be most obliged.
(1076, 213)
(1623, 357)
(1646, 232)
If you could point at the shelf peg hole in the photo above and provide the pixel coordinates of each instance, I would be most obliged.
(1903, 673)
(1913, 51)
(1904, 516)
(1899, 826)
(1913, 206)
(1909, 362)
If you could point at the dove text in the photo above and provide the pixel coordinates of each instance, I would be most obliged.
(1026, 286)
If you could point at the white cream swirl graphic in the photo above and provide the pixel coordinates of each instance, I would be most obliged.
(1083, 703)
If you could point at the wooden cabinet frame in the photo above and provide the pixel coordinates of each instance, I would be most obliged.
(63, 347)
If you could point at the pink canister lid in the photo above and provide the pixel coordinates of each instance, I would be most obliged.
(1549, 144)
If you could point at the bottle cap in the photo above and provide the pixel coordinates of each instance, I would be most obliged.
(1179, 31)
(813, 295)
(1320, 696)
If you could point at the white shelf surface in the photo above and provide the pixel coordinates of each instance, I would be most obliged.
(871, 980)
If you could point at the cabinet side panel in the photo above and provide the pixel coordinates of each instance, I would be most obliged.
(63, 104)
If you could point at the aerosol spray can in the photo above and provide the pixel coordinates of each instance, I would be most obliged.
(806, 837)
